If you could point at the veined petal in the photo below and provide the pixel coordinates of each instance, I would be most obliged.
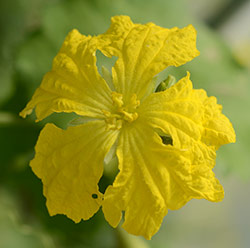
(144, 51)
(153, 178)
(190, 180)
(193, 120)
(70, 164)
(73, 84)
(218, 130)
(143, 186)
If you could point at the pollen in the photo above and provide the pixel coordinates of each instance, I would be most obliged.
(123, 112)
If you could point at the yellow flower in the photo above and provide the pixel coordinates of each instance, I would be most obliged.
(124, 114)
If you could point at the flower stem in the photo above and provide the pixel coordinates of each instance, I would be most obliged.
(126, 240)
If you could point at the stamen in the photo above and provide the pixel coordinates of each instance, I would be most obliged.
(123, 112)
(117, 99)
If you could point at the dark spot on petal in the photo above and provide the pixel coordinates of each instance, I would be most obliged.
(167, 140)
(105, 180)
(94, 196)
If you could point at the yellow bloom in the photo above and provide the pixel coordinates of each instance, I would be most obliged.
(126, 115)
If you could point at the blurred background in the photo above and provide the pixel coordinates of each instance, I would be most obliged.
(32, 32)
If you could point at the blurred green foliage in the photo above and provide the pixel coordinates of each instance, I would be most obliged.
(32, 32)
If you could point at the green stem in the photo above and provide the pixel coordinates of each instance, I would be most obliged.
(126, 240)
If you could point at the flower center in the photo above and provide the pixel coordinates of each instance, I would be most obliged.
(122, 112)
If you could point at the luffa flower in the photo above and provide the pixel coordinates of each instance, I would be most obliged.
(125, 115)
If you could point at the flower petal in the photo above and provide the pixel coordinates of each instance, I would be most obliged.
(153, 178)
(143, 186)
(193, 120)
(73, 84)
(144, 51)
(70, 164)
(218, 130)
